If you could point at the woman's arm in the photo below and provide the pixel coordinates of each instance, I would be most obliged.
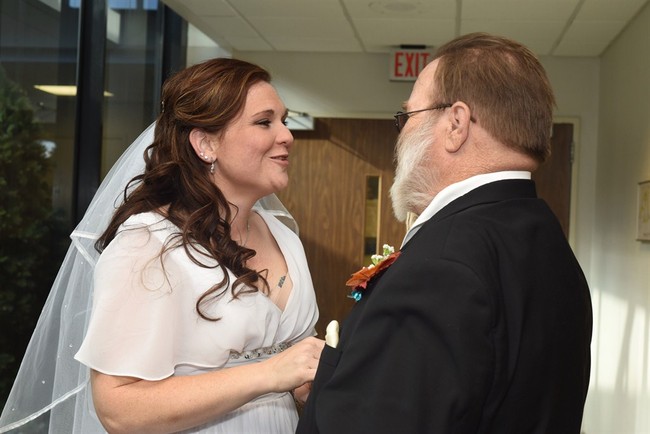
(132, 405)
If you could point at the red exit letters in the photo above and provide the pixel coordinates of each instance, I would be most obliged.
(407, 64)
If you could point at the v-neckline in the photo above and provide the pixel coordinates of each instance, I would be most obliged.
(287, 261)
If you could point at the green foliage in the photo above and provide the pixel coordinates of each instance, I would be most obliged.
(31, 235)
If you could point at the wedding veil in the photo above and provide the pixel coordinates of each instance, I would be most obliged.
(51, 390)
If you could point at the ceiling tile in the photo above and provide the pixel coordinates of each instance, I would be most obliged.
(203, 7)
(288, 8)
(303, 27)
(609, 10)
(538, 36)
(229, 27)
(588, 38)
(518, 10)
(401, 9)
(582, 27)
(391, 33)
(249, 44)
(344, 45)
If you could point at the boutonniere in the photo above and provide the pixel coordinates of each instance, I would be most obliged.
(359, 280)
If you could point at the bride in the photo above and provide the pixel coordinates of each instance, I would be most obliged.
(184, 303)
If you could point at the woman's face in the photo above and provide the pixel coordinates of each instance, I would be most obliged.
(253, 153)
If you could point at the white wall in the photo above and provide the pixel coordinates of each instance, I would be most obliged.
(339, 85)
(619, 398)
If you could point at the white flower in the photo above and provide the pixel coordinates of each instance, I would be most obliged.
(332, 334)
(387, 250)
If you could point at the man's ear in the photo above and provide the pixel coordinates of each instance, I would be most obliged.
(201, 144)
(458, 116)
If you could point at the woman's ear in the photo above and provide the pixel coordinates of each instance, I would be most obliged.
(201, 144)
(459, 116)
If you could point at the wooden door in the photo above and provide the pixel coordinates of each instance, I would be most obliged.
(327, 186)
(553, 178)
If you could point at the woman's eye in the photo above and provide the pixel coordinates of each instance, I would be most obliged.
(264, 122)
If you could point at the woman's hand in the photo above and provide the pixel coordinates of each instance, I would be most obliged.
(301, 393)
(296, 365)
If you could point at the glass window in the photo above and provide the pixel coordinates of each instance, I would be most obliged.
(38, 62)
(38, 110)
(131, 83)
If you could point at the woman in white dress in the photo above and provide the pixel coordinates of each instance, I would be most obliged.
(203, 309)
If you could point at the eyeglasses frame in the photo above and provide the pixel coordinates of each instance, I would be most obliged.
(400, 114)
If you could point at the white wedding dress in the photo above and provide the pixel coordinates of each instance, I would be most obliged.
(144, 322)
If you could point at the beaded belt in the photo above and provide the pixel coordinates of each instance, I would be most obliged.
(265, 351)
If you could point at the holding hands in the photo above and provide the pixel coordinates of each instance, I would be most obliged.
(295, 366)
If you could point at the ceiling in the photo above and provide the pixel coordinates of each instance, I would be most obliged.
(548, 27)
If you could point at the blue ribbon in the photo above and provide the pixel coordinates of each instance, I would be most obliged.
(356, 295)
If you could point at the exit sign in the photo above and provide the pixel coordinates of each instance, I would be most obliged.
(406, 64)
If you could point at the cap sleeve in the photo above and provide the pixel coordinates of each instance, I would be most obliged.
(140, 313)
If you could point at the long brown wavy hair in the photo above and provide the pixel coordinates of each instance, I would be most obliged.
(209, 96)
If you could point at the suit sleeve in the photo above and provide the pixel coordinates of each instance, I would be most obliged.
(419, 357)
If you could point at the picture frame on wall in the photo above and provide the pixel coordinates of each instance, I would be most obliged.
(643, 231)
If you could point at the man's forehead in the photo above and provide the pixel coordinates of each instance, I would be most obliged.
(423, 89)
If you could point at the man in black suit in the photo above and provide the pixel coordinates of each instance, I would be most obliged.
(483, 322)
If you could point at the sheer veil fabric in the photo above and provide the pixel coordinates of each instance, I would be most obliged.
(51, 390)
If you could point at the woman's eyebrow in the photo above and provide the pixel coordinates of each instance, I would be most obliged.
(264, 112)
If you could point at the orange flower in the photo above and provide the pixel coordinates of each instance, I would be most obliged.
(360, 278)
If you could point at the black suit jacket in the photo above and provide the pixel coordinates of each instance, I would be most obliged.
(482, 325)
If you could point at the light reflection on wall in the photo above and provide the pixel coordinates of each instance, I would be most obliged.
(619, 392)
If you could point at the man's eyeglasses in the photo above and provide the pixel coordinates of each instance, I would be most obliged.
(402, 117)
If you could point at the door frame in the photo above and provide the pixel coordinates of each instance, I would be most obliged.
(575, 145)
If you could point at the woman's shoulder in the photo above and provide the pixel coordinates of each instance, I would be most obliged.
(150, 220)
(143, 229)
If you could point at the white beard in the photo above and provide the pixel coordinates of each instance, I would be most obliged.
(414, 175)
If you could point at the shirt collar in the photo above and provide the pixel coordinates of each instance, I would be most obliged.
(454, 191)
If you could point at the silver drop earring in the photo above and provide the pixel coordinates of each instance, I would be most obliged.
(212, 167)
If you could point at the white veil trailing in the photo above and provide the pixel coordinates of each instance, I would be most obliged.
(51, 392)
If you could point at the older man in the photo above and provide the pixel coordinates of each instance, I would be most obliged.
(483, 322)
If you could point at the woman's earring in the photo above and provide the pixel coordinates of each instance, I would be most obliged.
(206, 158)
